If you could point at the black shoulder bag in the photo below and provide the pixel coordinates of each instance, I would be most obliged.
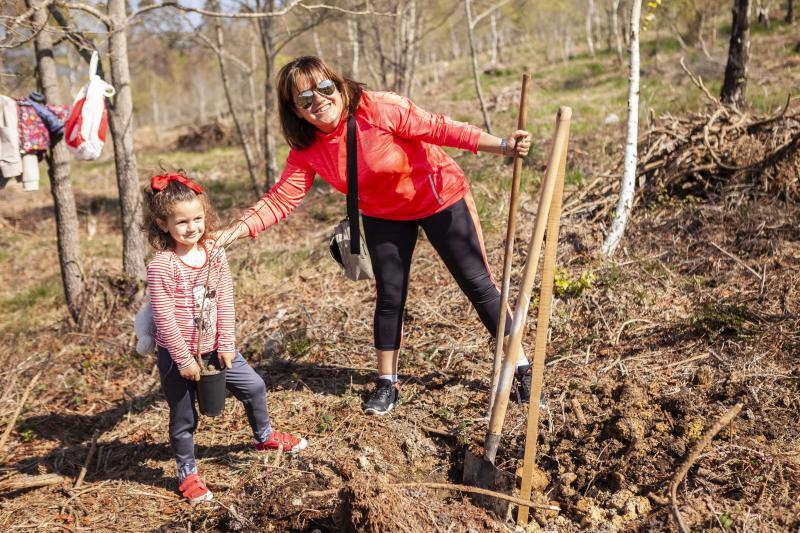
(347, 247)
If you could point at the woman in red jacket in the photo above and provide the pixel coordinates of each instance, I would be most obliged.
(405, 181)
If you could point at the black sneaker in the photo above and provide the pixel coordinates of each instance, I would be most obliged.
(521, 388)
(383, 399)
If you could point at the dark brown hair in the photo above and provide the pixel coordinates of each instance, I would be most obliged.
(299, 133)
(160, 205)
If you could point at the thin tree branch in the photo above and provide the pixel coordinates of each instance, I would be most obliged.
(16, 21)
(260, 15)
(488, 12)
(91, 10)
(208, 42)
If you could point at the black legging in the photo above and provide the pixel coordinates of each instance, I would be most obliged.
(453, 233)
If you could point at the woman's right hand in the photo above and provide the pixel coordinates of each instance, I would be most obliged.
(191, 372)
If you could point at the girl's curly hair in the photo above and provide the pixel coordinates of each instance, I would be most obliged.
(160, 205)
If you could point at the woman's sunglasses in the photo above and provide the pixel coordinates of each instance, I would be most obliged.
(306, 98)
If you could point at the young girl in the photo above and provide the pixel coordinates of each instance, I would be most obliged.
(191, 292)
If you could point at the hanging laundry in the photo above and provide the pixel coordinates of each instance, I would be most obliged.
(87, 125)
(53, 118)
(34, 135)
(30, 172)
(10, 159)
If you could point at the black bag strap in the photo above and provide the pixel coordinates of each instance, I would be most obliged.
(352, 186)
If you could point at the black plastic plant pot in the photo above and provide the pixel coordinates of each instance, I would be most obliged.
(211, 393)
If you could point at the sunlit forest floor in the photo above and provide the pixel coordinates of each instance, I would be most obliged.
(697, 311)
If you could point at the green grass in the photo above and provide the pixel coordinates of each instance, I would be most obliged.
(45, 292)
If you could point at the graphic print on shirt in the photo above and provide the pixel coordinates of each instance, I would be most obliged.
(205, 307)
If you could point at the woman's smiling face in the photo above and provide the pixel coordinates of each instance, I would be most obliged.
(325, 111)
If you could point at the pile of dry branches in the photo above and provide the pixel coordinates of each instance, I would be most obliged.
(722, 147)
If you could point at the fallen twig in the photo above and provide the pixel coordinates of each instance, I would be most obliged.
(88, 460)
(449, 486)
(695, 452)
(721, 249)
(30, 482)
(12, 422)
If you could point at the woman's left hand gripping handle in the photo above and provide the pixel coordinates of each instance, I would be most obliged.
(520, 142)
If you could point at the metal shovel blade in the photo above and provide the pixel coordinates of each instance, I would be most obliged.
(480, 472)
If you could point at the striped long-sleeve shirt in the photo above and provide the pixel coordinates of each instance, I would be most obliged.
(177, 292)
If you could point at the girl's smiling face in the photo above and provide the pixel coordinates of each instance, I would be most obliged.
(325, 111)
(186, 224)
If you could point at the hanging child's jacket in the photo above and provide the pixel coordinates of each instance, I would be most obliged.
(10, 158)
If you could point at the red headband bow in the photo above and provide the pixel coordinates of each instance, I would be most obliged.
(159, 182)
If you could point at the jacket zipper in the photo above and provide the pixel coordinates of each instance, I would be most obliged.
(433, 188)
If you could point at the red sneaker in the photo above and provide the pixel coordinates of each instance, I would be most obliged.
(277, 440)
(194, 489)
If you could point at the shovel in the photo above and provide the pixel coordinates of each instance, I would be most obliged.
(481, 471)
(511, 229)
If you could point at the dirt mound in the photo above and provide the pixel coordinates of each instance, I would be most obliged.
(371, 506)
(206, 136)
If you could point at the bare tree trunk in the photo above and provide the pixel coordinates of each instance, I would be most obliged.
(790, 12)
(154, 109)
(382, 59)
(201, 102)
(615, 28)
(597, 25)
(695, 31)
(589, 15)
(407, 51)
(735, 85)
(354, 36)
(626, 39)
(495, 39)
(121, 124)
(625, 203)
(67, 235)
(317, 46)
(268, 45)
(566, 42)
(762, 12)
(252, 166)
(476, 74)
(455, 50)
(251, 86)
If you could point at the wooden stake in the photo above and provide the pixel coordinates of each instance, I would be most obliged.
(542, 321)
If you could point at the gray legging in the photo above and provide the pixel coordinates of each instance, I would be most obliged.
(241, 380)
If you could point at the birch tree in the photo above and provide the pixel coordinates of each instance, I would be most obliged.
(625, 202)
(589, 19)
(476, 71)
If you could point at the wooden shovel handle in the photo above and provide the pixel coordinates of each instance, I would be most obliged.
(558, 150)
(511, 230)
(542, 323)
